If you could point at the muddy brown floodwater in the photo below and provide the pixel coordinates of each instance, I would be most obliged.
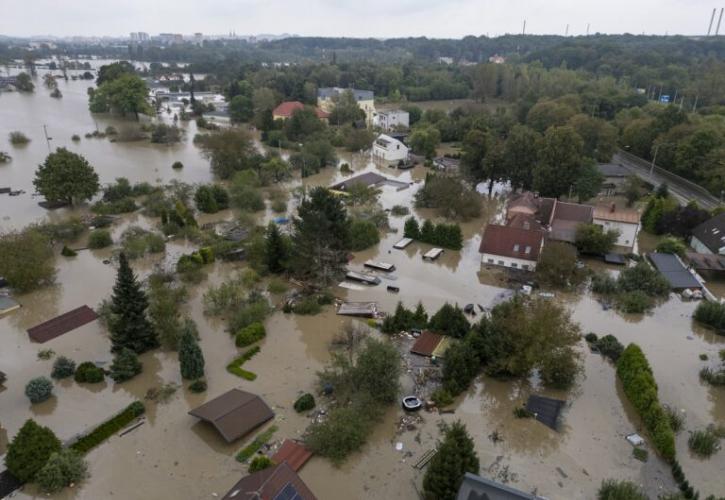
(175, 456)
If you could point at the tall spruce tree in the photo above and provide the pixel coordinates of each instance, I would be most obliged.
(276, 250)
(31, 447)
(130, 328)
(456, 456)
(191, 359)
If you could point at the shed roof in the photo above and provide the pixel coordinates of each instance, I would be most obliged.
(7, 304)
(512, 242)
(572, 212)
(234, 413)
(674, 271)
(545, 410)
(426, 344)
(360, 95)
(613, 170)
(293, 453)
(274, 483)
(475, 487)
(365, 179)
(364, 309)
(706, 261)
(62, 324)
(712, 233)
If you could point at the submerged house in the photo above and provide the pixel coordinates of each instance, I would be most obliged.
(395, 119)
(512, 247)
(388, 149)
(709, 237)
(614, 178)
(279, 482)
(559, 217)
(474, 487)
(235, 413)
(328, 96)
(286, 109)
(623, 220)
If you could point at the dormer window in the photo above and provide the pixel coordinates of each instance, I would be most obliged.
(527, 250)
(516, 247)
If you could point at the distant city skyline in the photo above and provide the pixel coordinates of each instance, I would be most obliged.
(372, 18)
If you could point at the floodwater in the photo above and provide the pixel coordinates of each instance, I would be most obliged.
(174, 456)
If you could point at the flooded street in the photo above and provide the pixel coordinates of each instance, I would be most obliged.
(173, 455)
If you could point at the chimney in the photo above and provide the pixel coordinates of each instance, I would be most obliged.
(612, 208)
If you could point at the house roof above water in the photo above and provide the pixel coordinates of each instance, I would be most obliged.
(274, 483)
(712, 233)
(235, 413)
(674, 271)
(475, 487)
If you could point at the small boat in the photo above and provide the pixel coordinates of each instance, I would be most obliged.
(393, 289)
(412, 403)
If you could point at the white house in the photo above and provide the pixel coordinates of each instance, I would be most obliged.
(392, 120)
(512, 247)
(624, 221)
(709, 237)
(327, 98)
(388, 149)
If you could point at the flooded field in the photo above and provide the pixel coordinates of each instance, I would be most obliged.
(173, 455)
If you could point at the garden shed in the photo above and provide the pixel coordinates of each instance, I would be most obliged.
(235, 413)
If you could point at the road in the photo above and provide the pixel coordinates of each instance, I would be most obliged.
(682, 189)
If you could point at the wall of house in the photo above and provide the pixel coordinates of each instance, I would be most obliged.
(699, 246)
(490, 259)
(397, 153)
(627, 231)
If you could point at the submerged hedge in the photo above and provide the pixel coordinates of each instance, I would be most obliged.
(108, 428)
(641, 390)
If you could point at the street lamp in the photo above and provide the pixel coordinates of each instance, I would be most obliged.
(654, 156)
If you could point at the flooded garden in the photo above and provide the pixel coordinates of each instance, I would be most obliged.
(173, 455)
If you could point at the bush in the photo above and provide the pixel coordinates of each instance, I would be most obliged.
(253, 447)
(304, 403)
(713, 377)
(100, 238)
(75, 138)
(645, 279)
(30, 449)
(677, 420)
(641, 390)
(604, 284)
(62, 469)
(363, 234)
(63, 367)
(88, 373)
(711, 314)
(211, 198)
(18, 138)
(177, 165)
(399, 210)
(254, 311)
(250, 334)
(125, 366)
(108, 428)
(620, 490)
(39, 389)
(442, 397)
(260, 462)
(610, 347)
(198, 385)
(307, 306)
(634, 302)
(672, 245)
(640, 454)
(591, 337)
(68, 252)
(592, 239)
(703, 443)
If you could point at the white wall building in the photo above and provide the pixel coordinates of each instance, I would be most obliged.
(392, 120)
(624, 221)
(385, 148)
(512, 247)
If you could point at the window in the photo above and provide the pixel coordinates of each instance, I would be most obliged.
(501, 263)
(525, 267)
(527, 251)
(514, 264)
(490, 261)
(516, 247)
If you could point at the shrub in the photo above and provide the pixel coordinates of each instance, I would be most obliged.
(30, 449)
(304, 403)
(711, 314)
(63, 367)
(62, 469)
(260, 462)
(75, 138)
(442, 397)
(108, 428)
(18, 138)
(591, 337)
(235, 367)
(604, 284)
(211, 198)
(671, 245)
(363, 234)
(620, 490)
(399, 210)
(634, 302)
(177, 165)
(254, 311)
(594, 240)
(677, 420)
(46, 354)
(250, 334)
(100, 238)
(645, 279)
(198, 385)
(713, 377)
(276, 286)
(703, 443)
(522, 412)
(307, 306)
(68, 252)
(88, 373)
(125, 366)
(641, 390)
(259, 441)
(39, 389)
(610, 347)
(640, 454)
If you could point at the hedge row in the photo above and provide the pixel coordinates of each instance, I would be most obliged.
(250, 334)
(108, 428)
(235, 367)
(259, 441)
(641, 390)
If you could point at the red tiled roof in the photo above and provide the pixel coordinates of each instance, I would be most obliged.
(293, 453)
(287, 109)
(511, 242)
(62, 324)
(426, 343)
(629, 216)
(573, 212)
(523, 221)
(269, 484)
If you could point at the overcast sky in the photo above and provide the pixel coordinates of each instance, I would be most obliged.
(356, 18)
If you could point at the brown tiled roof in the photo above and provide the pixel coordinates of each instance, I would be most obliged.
(274, 483)
(511, 242)
(564, 230)
(525, 201)
(62, 324)
(630, 216)
(234, 413)
(426, 343)
(293, 453)
(573, 212)
(287, 109)
(523, 221)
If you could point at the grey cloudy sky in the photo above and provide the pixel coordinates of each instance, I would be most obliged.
(356, 18)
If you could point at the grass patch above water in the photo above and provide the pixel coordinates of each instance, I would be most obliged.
(703, 443)
(252, 448)
(235, 367)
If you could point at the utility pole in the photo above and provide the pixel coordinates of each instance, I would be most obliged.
(694, 106)
(566, 33)
(588, 24)
(719, 20)
(47, 139)
(524, 30)
(712, 18)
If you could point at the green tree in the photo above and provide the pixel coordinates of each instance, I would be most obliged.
(592, 239)
(600, 137)
(557, 265)
(321, 238)
(411, 228)
(425, 140)
(560, 161)
(230, 150)
(589, 182)
(456, 455)
(363, 234)
(191, 358)
(241, 109)
(130, 328)
(546, 114)
(346, 109)
(125, 94)
(302, 124)
(110, 72)
(27, 259)
(277, 250)
(23, 82)
(30, 449)
(476, 145)
(164, 311)
(211, 198)
(66, 176)
(125, 366)
(450, 320)
(519, 156)
(62, 469)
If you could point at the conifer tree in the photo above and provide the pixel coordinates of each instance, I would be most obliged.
(191, 358)
(456, 456)
(411, 228)
(125, 365)
(130, 327)
(276, 250)
(30, 449)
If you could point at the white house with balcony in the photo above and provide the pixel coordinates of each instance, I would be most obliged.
(388, 149)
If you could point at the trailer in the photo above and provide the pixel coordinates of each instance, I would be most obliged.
(433, 254)
(368, 279)
(380, 266)
(403, 243)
